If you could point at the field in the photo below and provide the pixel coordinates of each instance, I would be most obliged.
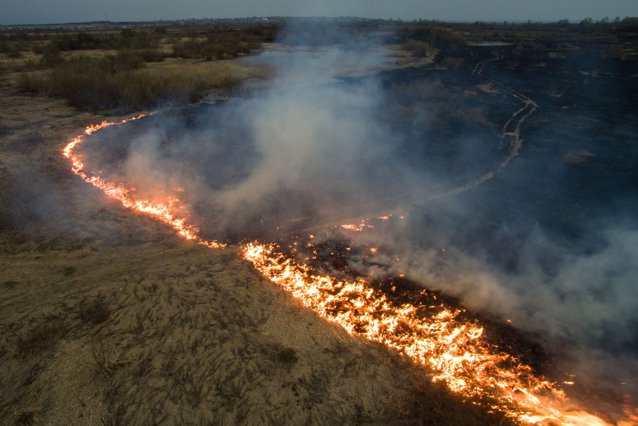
(108, 317)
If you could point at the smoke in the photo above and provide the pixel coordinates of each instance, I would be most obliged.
(307, 150)
(589, 300)
(327, 142)
(582, 307)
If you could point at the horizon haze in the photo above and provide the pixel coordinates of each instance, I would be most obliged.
(35, 12)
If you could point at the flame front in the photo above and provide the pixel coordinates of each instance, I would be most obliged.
(433, 336)
(166, 211)
(436, 337)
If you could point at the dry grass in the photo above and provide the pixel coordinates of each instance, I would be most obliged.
(113, 320)
(217, 74)
(115, 70)
(107, 318)
(123, 82)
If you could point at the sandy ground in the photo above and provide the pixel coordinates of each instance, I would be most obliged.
(106, 317)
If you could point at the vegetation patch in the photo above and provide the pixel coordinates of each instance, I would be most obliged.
(287, 356)
(94, 312)
(123, 82)
(41, 337)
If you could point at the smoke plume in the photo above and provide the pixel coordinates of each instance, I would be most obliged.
(327, 142)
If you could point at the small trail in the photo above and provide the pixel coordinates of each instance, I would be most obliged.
(510, 134)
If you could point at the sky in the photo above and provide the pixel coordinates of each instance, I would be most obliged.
(61, 11)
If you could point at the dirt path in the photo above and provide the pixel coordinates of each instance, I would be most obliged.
(510, 135)
(510, 132)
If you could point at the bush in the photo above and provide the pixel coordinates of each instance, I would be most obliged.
(418, 48)
(151, 55)
(134, 39)
(126, 39)
(219, 45)
(117, 81)
(94, 312)
(92, 84)
(81, 41)
(124, 60)
(11, 50)
(51, 56)
(32, 83)
(438, 37)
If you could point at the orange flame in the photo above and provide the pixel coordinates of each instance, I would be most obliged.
(452, 348)
(355, 227)
(436, 337)
(166, 212)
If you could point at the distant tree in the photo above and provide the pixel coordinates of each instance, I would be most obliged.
(563, 22)
(587, 21)
(128, 33)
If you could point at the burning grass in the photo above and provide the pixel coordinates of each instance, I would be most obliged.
(438, 337)
(198, 340)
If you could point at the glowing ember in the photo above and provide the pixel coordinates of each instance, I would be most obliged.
(356, 227)
(436, 337)
(452, 348)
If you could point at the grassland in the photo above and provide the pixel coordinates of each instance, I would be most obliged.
(107, 317)
(129, 69)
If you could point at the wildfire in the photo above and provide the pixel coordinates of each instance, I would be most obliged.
(449, 346)
(435, 336)
(166, 211)
(356, 227)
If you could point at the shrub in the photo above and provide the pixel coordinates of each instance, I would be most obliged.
(287, 356)
(219, 45)
(81, 41)
(32, 83)
(11, 50)
(118, 81)
(418, 48)
(51, 56)
(151, 55)
(124, 60)
(94, 312)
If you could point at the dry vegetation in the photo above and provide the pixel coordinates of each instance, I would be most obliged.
(123, 82)
(122, 70)
(108, 318)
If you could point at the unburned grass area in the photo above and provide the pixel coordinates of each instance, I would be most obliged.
(124, 81)
(114, 68)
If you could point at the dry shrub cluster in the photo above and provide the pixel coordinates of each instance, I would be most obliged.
(123, 82)
(108, 70)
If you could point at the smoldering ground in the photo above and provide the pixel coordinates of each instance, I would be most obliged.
(537, 244)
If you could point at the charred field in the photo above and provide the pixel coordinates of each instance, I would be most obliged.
(402, 223)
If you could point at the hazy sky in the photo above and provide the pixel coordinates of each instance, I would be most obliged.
(57, 11)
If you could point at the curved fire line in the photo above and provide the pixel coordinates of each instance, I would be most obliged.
(453, 349)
